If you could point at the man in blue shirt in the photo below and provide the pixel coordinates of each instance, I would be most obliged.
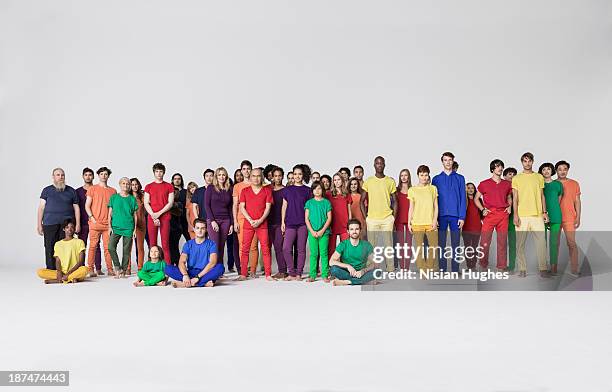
(58, 202)
(452, 208)
(197, 266)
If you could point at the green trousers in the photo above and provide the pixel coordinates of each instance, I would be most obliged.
(553, 234)
(342, 274)
(511, 246)
(318, 246)
(151, 278)
(127, 250)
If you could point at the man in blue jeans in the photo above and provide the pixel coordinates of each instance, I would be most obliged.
(452, 208)
(197, 265)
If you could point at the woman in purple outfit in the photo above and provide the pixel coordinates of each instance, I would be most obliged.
(274, 222)
(218, 204)
(293, 223)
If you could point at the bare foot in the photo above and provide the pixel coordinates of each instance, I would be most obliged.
(177, 284)
(138, 283)
(298, 278)
(117, 275)
(270, 279)
(338, 282)
(240, 278)
(310, 280)
(91, 274)
(162, 283)
(210, 283)
(327, 280)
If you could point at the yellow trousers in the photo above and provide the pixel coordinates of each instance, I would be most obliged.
(535, 226)
(427, 257)
(78, 275)
(380, 233)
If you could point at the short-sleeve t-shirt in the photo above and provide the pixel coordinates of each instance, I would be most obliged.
(198, 255)
(379, 196)
(528, 186)
(59, 205)
(255, 203)
(82, 195)
(356, 256)
(552, 191)
(68, 252)
(317, 213)
(340, 205)
(423, 199)
(571, 190)
(199, 198)
(150, 266)
(296, 197)
(276, 213)
(495, 194)
(100, 196)
(158, 194)
(123, 214)
(238, 188)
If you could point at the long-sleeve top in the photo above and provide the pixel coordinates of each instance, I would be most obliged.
(451, 194)
(218, 205)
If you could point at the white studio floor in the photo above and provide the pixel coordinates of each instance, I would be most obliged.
(294, 336)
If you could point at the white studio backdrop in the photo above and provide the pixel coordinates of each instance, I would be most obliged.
(197, 84)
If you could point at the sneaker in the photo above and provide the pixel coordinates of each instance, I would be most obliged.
(545, 274)
(574, 274)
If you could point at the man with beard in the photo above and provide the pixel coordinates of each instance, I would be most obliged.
(88, 176)
(58, 202)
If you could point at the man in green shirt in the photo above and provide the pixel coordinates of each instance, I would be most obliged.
(122, 208)
(351, 263)
(553, 191)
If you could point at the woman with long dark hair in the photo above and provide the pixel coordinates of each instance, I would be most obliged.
(141, 227)
(191, 188)
(293, 222)
(274, 222)
(402, 233)
(356, 193)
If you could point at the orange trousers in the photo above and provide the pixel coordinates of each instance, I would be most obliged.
(94, 239)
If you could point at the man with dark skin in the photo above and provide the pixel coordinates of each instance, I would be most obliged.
(379, 190)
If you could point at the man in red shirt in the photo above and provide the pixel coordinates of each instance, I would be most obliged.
(496, 194)
(158, 200)
(255, 205)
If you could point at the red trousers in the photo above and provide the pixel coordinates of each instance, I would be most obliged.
(164, 232)
(498, 220)
(331, 245)
(247, 238)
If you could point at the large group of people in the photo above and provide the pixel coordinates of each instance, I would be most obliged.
(264, 211)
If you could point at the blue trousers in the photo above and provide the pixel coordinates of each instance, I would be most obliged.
(446, 222)
(215, 273)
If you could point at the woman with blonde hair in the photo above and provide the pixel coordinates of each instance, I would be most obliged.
(191, 187)
(218, 202)
(341, 202)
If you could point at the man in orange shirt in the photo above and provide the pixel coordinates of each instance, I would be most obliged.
(96, 206)
(245, 168)
(571, 207)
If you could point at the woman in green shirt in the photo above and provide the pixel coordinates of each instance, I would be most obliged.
(553, 190)
(152, 272)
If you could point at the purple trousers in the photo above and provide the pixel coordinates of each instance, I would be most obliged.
(276, 240)
(292, 234)
(83, 236)
(219, 237)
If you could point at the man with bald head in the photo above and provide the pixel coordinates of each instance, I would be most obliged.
(58, 202)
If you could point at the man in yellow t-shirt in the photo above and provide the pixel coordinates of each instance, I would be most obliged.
(69, 255)
(530, 214)
(380, 193)
(423, 220)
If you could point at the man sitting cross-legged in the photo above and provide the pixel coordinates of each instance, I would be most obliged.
(351, 262)
(198, 263)
(69, 255)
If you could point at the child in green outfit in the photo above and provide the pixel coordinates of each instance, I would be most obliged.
(152, 272)
(318, 216)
